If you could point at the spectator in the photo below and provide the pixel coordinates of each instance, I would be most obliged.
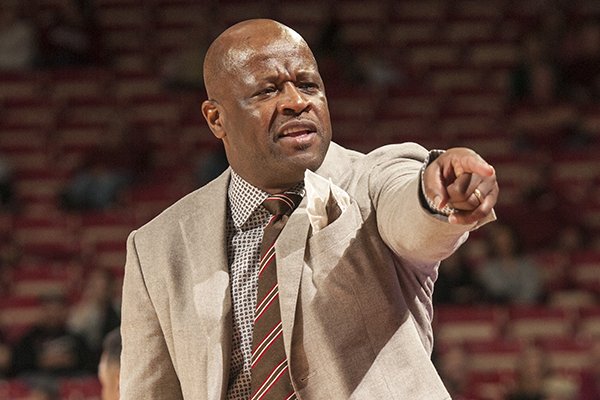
(457, 282)
(532, 371)
(538, 230)
(49, 349)
(336, 57)
(210, 164)
(95, 187)
(110, 365)
(535, 78)
(590, 381)
(6, 185)
(183, 70)
(95, 314)
(572, 238)
(42, 390)
(10, 255)
(580, 70)
(5, 358)
(454, 371)
(66, 38)
(507, 276)
(124, 157)
(561, 388)
(17, 38)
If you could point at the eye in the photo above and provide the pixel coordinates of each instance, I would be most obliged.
(266, 91)
(308, 86)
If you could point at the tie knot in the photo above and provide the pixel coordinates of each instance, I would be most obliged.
(282, 203)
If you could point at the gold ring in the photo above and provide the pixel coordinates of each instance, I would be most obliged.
(478, 194)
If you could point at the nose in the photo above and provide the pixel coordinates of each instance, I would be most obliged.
(293, 102)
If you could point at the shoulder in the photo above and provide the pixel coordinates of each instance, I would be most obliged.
(340, 160)
(345, 166)
(201, 201)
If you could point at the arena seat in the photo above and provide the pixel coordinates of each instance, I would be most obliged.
(538, 322)
(586, 270)
(498, 355)
(454, 324)
(589, 322)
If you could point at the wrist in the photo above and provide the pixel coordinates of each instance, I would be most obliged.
(427, 202)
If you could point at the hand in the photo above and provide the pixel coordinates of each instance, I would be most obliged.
(463, 180)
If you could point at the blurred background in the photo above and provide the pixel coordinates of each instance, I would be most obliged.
(100, 129)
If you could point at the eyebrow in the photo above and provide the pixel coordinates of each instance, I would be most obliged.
(301, 75)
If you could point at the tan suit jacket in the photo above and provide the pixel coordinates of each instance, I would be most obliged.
(355, 297)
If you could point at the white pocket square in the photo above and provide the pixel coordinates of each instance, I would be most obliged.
(325, 201)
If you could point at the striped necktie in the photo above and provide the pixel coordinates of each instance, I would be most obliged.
(270, 375)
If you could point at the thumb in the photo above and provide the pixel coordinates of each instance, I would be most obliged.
(434, 186)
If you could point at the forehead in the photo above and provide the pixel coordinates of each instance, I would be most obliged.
(266, 57)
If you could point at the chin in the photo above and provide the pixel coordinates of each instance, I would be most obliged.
(309, 161)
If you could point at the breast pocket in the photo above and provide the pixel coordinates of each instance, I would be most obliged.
(327, 246)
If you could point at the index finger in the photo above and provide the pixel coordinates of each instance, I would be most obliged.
(473, 165)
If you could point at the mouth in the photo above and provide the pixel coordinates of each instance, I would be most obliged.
(296, 130)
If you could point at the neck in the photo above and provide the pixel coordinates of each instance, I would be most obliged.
(270, 187)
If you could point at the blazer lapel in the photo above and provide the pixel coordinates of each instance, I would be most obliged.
(289, 250)
(206, 242)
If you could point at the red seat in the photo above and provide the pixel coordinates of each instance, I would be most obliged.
(180, 12)
(589, 322)
(46, 237)
(154, 109)
(420, 11)
(494, 53)
(468, 29)
(85, 388)
(111, 254)
(412, 33)
(13, 389)
(494, 356)
(553, 266)
(41, 280)
(17, 85)
(132, 84)
(21, 139)
(123, 14)
(75, 83)
(101, 227)
(467, 324)
(453, 76)
(568, 355)
(586, 270)
(488, 385)
(17, 314)
(536, 322)
(37, 112)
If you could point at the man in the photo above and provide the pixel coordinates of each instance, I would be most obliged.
(110, 365)
(49, 349)
(354, 292)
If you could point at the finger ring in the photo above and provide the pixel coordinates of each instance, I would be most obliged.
(478, 194)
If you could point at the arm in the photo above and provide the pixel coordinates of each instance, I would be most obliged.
(411, 230)
(147, 370)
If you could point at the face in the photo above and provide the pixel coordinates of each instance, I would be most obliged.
(273, 116)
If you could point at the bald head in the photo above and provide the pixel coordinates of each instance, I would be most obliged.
(266, 103)
(231, 51)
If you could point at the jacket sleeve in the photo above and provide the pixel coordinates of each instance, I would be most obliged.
(411, 231)
(147, 370)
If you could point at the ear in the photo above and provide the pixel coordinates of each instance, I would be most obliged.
(212, 115)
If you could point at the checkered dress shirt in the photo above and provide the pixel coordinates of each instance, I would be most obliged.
(246, 221)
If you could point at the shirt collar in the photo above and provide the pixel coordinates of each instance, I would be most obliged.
(245, 199)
